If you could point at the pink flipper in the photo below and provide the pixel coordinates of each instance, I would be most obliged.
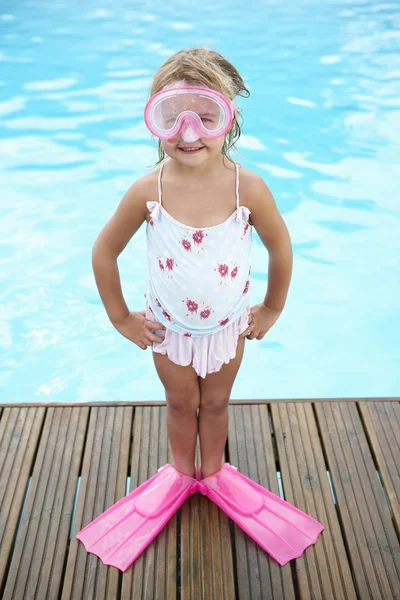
(278, 527)
(121, 533)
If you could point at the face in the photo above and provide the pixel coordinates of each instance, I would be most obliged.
(188, 147)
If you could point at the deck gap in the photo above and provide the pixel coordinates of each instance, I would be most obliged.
(273, 438)
(39, 439)
(65, 561)
(384, 493)
(234, 557)
(78, 485)
(271, 423)
(119, 588)
(178, 554)
(232, 534)
(279, 478)
(295, 580)
(331, 487)
(84, 443)
(276, 455)
(131, 442)
(337, 508)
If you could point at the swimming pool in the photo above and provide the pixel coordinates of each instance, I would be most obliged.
(322, 126)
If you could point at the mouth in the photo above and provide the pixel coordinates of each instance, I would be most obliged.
(191, 149)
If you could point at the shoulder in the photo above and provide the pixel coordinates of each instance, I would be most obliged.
(251, 184)
(128, 216)
(254, 192)
(145, 188)
(264, 213)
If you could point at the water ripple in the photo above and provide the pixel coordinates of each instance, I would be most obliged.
(321, 126)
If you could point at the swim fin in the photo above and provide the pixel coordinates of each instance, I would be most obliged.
(121, 533)
(278, 527)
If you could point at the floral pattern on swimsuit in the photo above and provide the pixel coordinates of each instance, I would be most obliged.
(199, 278)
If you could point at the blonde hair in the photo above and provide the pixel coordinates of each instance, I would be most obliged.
(205, 67)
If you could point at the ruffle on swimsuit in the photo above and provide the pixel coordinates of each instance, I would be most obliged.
(207, 353)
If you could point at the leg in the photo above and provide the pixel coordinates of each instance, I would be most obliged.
(215, 391)
(183, 399)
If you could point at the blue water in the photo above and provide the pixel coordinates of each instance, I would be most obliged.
(322, 126)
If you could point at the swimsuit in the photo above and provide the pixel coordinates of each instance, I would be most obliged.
(198, 285)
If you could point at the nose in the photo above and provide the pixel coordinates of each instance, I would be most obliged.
(188, 132)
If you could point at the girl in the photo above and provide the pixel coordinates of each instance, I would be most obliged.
(200, 210)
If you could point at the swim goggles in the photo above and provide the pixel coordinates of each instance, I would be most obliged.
(193, 112)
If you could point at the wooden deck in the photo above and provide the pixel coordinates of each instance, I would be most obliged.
(60, 466)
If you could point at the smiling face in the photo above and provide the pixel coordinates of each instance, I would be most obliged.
(192, 113)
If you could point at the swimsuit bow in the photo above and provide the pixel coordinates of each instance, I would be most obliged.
(242, 214)
(154, 208)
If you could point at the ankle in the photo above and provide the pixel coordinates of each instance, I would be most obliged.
(207, 470)
(189, 470)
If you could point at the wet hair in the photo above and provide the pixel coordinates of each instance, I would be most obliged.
(201, 66)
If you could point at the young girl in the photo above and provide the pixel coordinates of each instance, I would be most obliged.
(200, 209)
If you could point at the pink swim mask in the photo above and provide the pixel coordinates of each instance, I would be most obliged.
(193, 112)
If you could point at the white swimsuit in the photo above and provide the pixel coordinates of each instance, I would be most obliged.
(199, 284)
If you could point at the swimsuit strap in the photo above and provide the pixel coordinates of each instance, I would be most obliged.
(237, 184)
(159, 183)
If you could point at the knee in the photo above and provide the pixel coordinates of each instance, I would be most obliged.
(184, 401)
(214, 403)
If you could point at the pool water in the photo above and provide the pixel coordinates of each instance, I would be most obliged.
(322, 126)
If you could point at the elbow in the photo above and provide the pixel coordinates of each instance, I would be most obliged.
(100, 254)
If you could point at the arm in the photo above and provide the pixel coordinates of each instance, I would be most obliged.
(274, 234)
(111, 241)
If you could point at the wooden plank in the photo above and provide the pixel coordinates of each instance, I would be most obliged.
(251, 451)
(37, 563)
(382, 426)
(103, 482)
(19, 438)
(323, 571)
(370, 536)
(153, 574)
(148, 403)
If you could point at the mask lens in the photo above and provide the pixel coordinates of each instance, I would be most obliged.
(168, 109)
(209, 112)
